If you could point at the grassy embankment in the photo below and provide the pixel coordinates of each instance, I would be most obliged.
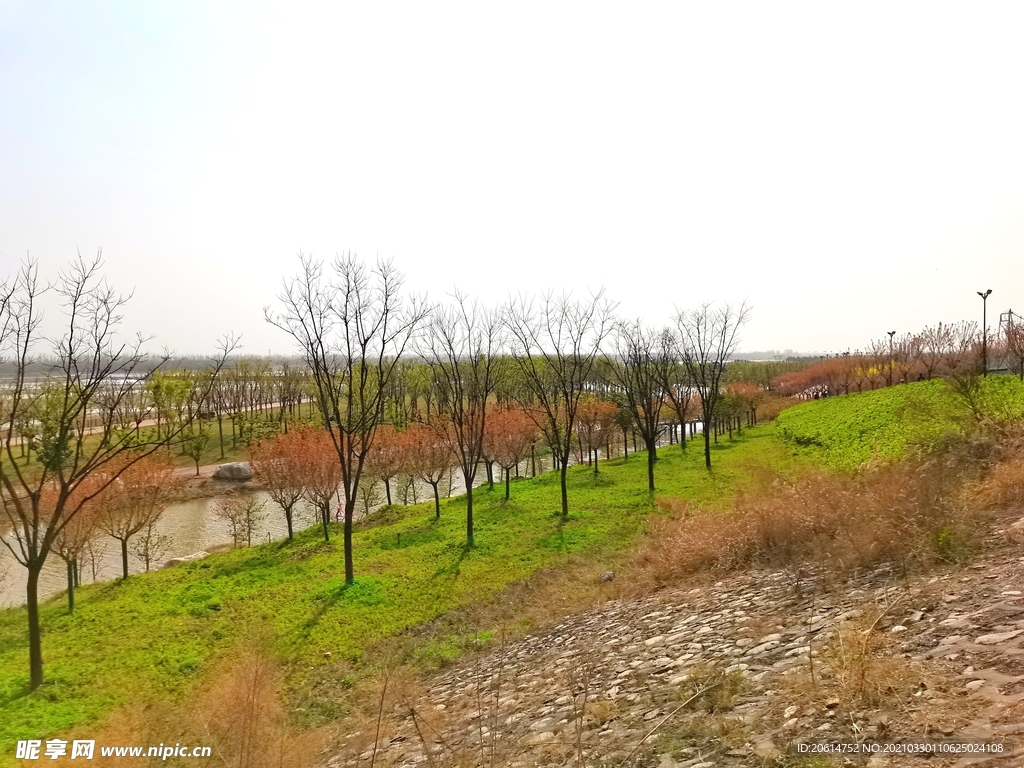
(849, 430)
(159, 635)
(930, 508)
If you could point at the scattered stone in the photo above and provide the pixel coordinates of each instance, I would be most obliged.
(607, 576)
(997, 637)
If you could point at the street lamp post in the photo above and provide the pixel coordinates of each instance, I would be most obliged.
(984, 331)
(889, 377)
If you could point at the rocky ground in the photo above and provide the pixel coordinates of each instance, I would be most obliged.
(733, 672)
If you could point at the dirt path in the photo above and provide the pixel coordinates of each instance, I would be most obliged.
(930, 657)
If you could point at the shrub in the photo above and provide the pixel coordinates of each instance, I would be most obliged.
(907, 513)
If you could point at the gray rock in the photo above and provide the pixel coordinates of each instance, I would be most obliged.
(236, 470)
(997, 637)
(186, 559)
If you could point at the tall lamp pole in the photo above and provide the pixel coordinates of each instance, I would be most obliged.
(891, 334)
(984, 331)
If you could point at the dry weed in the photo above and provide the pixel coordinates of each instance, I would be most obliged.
(906, 514)
(240, 714)
(1003, 488)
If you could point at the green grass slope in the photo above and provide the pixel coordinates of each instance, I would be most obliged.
(849, 430)
(158, 634)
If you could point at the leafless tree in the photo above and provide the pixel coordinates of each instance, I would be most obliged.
(679, 389)
(243, 517)
(464, 343)
(1013, 342)
(351, 331)
(639, 372)
(930, 347)
(555, 343)
(708, 337)
(151, 546)
(92, 364)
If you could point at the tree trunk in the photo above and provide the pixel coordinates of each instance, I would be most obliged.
(625, 444)
(387, 489)
(437, 502)
(469, 508)
(220, 431)
(490, 474)
(35, 635)
(325, 519)
(595, 460)
(124, 557)
(350, 506)
(288, 519)
(565, 490)
(652, 456)
(71, 587)
(707, 446)
(508, 480)
(533, 461)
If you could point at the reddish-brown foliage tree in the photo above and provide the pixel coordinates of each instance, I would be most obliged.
(750, 396)
(508, 438)
(78, 532)
(427, 457)
(278, 465)
(595, 421)
(321, 471)
(136, 499)
(385, 459)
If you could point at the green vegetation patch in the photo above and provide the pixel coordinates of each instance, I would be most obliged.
(159, 634)
(849, 430)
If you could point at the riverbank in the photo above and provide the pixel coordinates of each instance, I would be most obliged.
(163, 633)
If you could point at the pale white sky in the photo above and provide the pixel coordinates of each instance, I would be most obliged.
(849, 168)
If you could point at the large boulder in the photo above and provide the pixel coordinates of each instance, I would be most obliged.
(236, 470)
(186, 559)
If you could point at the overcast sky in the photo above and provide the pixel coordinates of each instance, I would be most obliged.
(847, 168)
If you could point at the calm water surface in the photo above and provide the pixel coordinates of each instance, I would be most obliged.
(192, 527)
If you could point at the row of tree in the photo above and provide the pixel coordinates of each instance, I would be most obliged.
(370, 356)
(354, 327)
(944, 350)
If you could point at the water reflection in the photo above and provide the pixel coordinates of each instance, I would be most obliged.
(193, 526)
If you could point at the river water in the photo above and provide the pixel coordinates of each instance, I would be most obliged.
(193, 526)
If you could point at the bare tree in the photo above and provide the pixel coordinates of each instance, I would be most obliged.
(464, 342)
(351, 332)
(679, 389)
(640, 370)
(1014, 345)
(708, 337)
(151, 545)
(555, 343)
(90, 359)
(243, 517)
